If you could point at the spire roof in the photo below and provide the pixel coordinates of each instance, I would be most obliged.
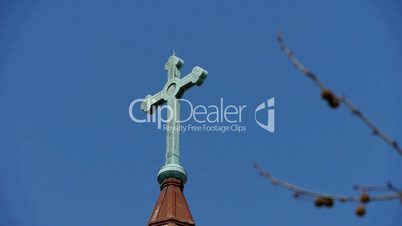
(171, 208)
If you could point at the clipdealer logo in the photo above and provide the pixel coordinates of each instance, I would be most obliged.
(268, 106)
(200, 118)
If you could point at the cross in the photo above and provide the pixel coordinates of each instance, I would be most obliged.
(173, 90)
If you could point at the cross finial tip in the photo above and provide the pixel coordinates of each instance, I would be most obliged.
(174, 61)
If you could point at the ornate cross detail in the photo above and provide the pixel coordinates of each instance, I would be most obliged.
(170, 94)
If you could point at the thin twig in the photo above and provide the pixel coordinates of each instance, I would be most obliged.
(376, 188)
(337, 98)
(299, 191)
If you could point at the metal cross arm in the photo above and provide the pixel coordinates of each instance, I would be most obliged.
(175, 87)
(173, 90)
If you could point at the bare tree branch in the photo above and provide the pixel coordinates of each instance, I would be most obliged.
(375, 188)
(299, 191)
(333, 99)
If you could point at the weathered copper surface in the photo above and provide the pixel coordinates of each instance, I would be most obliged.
(171, 209)
(171, 94)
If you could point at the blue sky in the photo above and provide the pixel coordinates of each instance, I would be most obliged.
(70, 155)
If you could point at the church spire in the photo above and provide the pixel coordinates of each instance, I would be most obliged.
(171, 208)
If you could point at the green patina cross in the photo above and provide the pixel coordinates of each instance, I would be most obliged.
(171, 93)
